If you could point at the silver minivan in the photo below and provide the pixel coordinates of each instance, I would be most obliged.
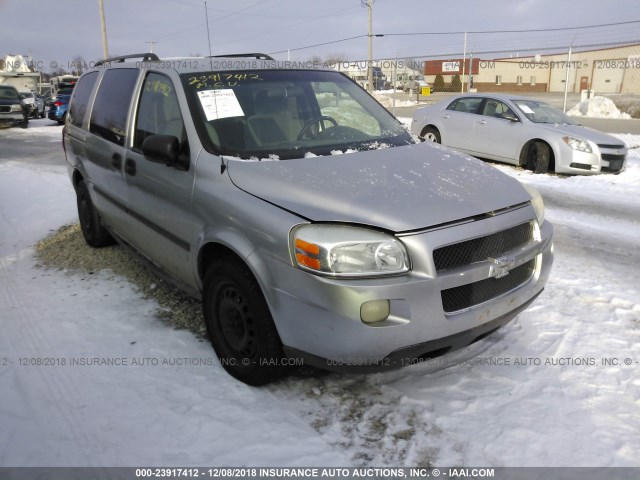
(314, 227)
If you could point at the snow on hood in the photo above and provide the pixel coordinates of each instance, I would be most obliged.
(399, 189)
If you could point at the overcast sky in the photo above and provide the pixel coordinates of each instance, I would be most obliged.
(59, 30)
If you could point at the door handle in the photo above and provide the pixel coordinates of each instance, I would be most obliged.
(116, 161)
(445, 116)
(130, 167)
(483, 122)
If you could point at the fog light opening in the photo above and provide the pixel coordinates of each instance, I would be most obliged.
(375, 311)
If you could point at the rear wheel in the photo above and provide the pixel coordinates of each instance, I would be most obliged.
(431, 134)
(94, 233)
(538, 157)
(240, 325)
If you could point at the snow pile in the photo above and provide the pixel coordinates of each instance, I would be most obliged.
(387, 101)
(597, 107)
(15, 63)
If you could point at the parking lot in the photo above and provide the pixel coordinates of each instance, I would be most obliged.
(563, 373)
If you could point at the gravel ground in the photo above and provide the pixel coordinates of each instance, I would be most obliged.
(66, 250)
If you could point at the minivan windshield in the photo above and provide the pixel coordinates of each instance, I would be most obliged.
(540, 112)
(287, 114)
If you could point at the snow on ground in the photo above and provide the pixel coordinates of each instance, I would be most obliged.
(597, 107)
(385, 98)
(537, 393)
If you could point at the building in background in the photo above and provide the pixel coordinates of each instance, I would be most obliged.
(606, 70)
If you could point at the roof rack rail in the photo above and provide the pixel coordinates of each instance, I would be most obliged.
(259, 56)
(146, 57)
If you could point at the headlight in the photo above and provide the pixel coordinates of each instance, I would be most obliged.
(345, 251)
(536, 202)
(16, 108)
(577, 144)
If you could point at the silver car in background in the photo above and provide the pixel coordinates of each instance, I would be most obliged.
(521, 131)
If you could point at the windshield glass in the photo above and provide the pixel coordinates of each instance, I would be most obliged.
(539, 112)
(288, 114)
(8, 93)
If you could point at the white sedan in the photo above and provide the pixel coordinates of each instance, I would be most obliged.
(520, 131)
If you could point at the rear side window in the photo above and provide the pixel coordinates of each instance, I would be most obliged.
(465, 104)
(110, 109)
(80, 99)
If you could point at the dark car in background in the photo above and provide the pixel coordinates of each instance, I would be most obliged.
(59, 104)
(12, 108)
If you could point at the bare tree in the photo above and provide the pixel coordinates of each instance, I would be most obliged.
(78, 65)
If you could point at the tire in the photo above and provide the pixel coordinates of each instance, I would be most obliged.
(431, 134)
(94, 233)
(25, 123)
(240, 325)
(42, 115)
(538, 157)
(63, 119)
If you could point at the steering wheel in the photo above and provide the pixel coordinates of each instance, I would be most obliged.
(318, 120)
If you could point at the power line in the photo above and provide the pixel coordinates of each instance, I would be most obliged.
(513, 31)
(318, 44)
(559, 49)
(462, 32)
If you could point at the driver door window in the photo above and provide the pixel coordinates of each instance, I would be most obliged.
(496, 108)
(158, 111)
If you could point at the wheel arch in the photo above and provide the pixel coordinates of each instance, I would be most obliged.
(76, 177)
(432, 127)
(233, 245)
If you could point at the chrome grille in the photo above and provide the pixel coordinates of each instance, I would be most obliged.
(479, 249)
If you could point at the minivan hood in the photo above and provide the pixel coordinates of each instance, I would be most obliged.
(584, 133)
(397, 189)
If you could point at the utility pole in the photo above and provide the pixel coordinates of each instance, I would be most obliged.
(105, 48)
(566, 80)
(464, 60)
(369, 5)
(152, 43)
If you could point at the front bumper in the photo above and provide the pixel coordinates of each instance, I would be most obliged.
(16, 118)
(603, 159)
(318, 319)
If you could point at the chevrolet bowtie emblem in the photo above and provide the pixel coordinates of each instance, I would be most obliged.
(501, 266)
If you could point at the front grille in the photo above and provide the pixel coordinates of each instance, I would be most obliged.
(613, 147)
(479, 249)
(465, 296)
(615, 162)
(5, 109)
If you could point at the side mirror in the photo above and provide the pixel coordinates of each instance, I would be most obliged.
(163, 149)
(509, 116)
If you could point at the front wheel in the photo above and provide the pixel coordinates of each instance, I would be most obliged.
(431, 134)
(538, 157)
(239, 324)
